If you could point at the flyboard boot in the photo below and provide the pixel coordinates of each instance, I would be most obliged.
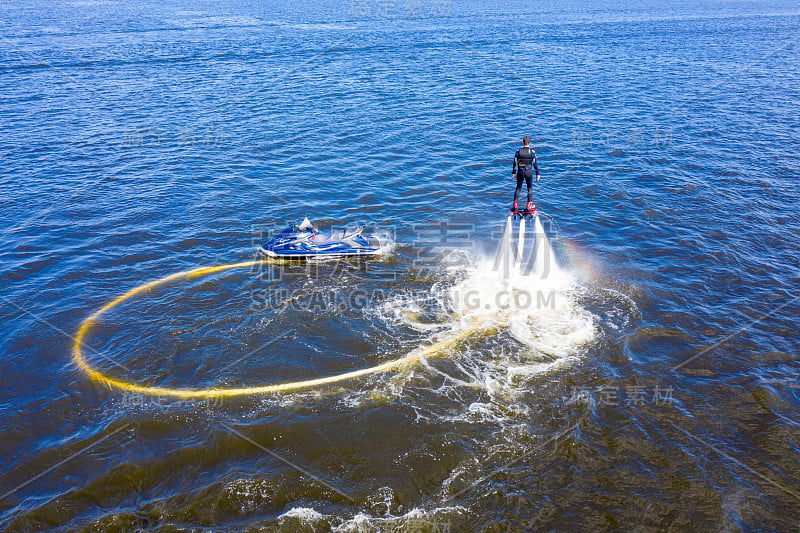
(514, 211)
(530, 209)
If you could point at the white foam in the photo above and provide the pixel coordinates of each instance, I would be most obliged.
(386, 238)
(437, 519)
(305, 515)
(417, 519)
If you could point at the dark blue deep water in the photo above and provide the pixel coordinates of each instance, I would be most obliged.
(139, 139)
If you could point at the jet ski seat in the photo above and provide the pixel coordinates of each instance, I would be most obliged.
(337, 235)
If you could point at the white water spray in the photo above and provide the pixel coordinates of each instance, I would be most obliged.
(526, 293)
(517, 315)
(503, 259)
(520, 246)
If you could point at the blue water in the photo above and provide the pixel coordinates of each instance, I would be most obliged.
(141, 139)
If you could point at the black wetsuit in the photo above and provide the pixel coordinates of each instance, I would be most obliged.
(524, 165)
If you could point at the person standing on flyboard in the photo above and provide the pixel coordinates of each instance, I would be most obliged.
(524, 166)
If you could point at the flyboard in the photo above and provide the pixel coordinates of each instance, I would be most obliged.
(304, 241)
(523, 214)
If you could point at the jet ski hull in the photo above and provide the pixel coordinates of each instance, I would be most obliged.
(294, 243)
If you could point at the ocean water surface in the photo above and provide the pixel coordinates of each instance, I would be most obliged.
(628, 361)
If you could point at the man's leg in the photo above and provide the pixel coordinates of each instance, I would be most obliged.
(529, 183)
(518, 189)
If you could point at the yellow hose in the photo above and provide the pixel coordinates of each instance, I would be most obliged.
(406, 361)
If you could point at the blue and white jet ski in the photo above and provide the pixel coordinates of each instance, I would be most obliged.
(305, 241)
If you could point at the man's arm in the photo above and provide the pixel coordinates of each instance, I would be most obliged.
(535, 166)
(514, 168)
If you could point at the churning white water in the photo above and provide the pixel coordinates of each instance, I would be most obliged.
(525, 290)
(521, 297)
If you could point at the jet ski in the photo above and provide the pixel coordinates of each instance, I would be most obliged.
(305, 241)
